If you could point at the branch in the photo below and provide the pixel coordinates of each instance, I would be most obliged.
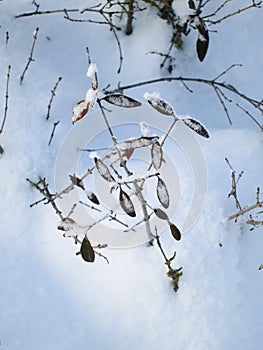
(218, 86)
(53, 93)
(30, 58)
(53, 132)
(6, 99)
(245, 210)
(254, 4)
(42, 187)
(28, 14)
(234, 184)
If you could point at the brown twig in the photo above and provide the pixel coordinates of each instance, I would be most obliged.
(245, 210)
(30, 58)
(53, 93)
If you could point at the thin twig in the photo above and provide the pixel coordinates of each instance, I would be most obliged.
(53, 132)
(28, 14)
(6, 38)
(53, 93)
(233, 191)
(245, 210)
(256, 5)
(42, 187)
(30, 58)
(6, 99)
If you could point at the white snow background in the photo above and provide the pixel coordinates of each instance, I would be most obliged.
(52, 299)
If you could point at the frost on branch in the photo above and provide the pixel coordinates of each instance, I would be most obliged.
(91, 97)
(92, 73)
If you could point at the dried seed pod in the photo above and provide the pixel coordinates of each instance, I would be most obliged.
(175, 232)
(86, 250)
(126, 203)
(120, 100)
(162, 193)
(92, 197)
(158, 104)
(161, 214)
(157, 155)
(196, 126)
(77, 181)
(103, 170)
(80, 110)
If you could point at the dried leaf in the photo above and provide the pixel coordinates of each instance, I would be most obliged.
(191, 4)
(126, 203)
(77, 181)
(86, 250)
(103, 170)
(161, 214)
(162, 193)
(120, 100)
(138, 143)
(92, 197)
(159, 105)
(202, 41)
(80, 110)
(128, 153)
(67, 224)
(175, 232)
(196, 126)
(157, 155)
(201, 48)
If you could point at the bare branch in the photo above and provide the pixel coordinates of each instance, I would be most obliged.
(253, 5)
(6, 99)
(30, 58)
(53, 94)
(217, 86)
(53, 132)
(233, 191)
(245, 210)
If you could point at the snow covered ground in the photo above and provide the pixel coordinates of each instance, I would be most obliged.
(51, 299)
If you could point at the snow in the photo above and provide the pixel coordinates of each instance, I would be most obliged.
(182, 10)
(91, 97)
(92, 71)
(50, 298)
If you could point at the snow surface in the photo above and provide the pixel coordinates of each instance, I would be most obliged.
(50, 298)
